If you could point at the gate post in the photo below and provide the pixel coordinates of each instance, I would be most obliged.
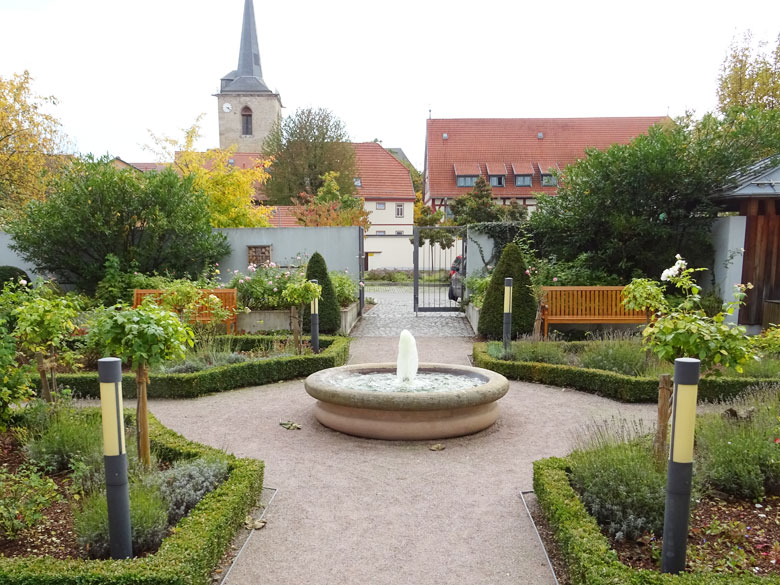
(416, 264)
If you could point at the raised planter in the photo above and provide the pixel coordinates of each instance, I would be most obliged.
(472, 315)
(349, 316)
(256, 321)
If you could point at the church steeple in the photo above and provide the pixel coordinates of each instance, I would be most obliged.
(248, 78)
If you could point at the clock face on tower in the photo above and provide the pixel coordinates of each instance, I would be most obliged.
(226, 107)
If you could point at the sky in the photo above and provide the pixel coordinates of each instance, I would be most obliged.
(122, 69)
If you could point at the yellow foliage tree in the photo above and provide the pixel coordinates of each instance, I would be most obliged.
(750, 76)
(29, 138)
(231, 190)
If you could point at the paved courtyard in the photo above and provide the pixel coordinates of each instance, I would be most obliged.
(395, 312)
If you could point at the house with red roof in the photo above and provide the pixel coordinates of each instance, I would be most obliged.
(517, 156)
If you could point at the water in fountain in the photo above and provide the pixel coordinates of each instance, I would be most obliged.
(406, 378)
(406, 365)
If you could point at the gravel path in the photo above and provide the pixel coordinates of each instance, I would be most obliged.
(360, 511)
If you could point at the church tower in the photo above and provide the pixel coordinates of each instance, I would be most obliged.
(247, 108)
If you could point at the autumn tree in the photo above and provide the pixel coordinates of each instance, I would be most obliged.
(230, 189)
(750, 76)
(330, 207)
(304, 147)
(426, 217)
(29, 137)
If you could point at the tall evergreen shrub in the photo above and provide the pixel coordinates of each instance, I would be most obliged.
(491, 318)
(330, 313)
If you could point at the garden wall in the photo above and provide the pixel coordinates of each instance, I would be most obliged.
(338, 245)
(728, 237)
(10, 258)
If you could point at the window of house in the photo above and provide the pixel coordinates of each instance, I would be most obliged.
(522, 180)
(358, 182)
(466, 181)
(258, 254)
(380, 204)
(380, 232)
(399, 232)
(549, 181)
(496, 180)
(246, 121)
(399, 209)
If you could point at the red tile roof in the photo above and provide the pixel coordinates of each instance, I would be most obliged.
(382, 176)
(150, 166)
(281, 217)
(472, 143)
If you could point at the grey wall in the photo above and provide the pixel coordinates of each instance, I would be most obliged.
(338, 245)
(728, 238)
(10, 258)
(478, 242)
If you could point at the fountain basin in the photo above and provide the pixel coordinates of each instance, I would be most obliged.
(406, 416)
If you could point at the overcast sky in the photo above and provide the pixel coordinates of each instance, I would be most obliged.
(121, 68)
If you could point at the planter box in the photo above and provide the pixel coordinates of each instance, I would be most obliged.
(255, 321)
(472, 315)
(349, 316)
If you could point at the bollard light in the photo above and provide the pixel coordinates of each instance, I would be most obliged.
(680, 470)
(507, 313)
(115, 458)
(315, 323)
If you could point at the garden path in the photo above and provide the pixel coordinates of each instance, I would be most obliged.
(360, 511)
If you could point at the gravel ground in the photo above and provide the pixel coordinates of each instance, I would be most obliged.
(360, 511)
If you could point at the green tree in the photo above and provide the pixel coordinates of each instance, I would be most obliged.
(330, 207)
(750, 76)
(491, 317)
(153, 221)
(29, 138)
(632, 205)
(303, 148)
(146, 337)
(478, 206)
(330, 312)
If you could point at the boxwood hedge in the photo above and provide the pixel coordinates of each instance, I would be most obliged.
(604, 383)
(589, 558)
(335, 352)
(187, 556)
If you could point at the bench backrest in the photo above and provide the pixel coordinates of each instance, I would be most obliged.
(228, 297)
(588, 301)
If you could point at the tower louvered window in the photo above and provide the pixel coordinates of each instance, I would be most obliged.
(246, 121)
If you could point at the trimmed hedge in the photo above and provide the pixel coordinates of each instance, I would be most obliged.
(604, 383)
(335, 352)
(587, 553)
(187, 557)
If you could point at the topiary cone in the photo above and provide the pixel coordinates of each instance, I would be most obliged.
(491, 317)
(330, 312)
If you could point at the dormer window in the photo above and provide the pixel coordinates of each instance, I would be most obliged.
(357, 181)
(549, 180)
(523, 180)
(246, 121)
(546, 171)
(496, 173)
(466, 174)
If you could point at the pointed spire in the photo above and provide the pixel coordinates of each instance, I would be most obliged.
(249, 75)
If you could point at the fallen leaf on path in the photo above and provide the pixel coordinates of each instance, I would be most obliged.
(290, 425)
(437, 447)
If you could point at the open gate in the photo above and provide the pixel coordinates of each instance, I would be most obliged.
(437, 251)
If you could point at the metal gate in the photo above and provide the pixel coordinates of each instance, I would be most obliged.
(438, 252)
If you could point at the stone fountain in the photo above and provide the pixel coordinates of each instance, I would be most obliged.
(406, 400)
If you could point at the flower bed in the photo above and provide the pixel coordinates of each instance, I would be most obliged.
(335, 352)
(186, 557)
(602, 382)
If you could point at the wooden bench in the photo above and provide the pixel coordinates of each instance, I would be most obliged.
(228, 296)
(586, 304)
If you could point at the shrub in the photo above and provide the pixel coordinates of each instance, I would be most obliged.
(345, 287)
(530, 351)
(15, 383)
(477, 287)
(621, 487)
(623, 357)
(523, 304)
(184, 484)
(70, 436)
(148, 520)
(23, 496)
(330, 314)
(12, 274)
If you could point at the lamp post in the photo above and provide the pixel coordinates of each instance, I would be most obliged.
(115, 458)
(315, 323)
(680, 470)
(507, 314)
